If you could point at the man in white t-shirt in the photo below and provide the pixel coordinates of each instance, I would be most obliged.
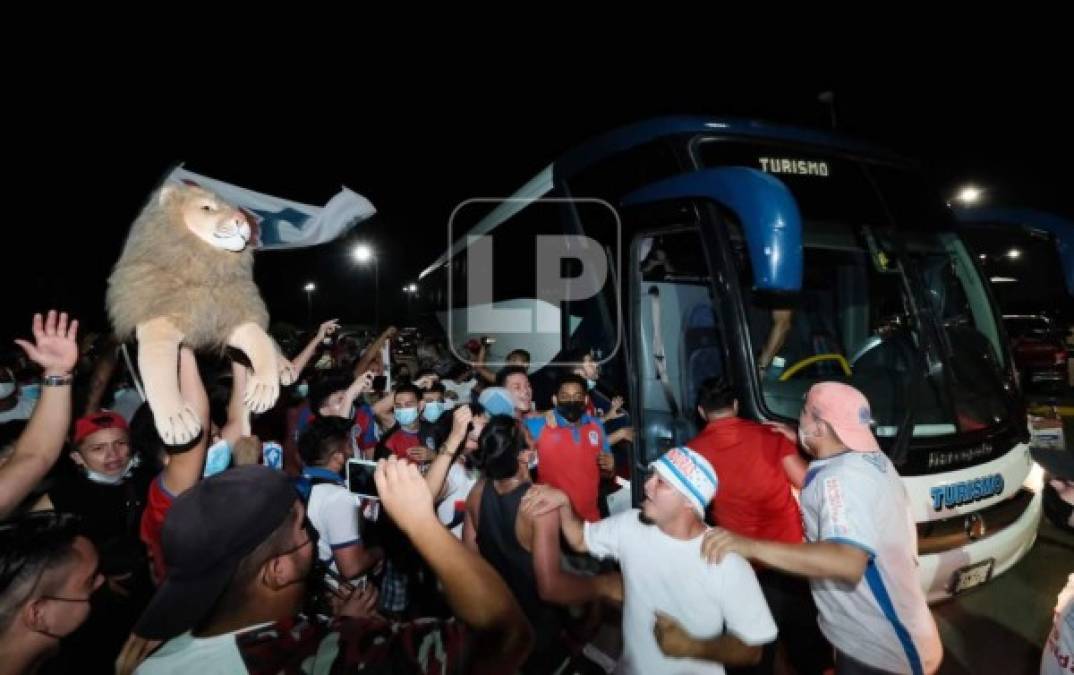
(680, 615)
(861, 549)
(332, 509)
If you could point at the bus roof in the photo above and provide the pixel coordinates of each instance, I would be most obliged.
(984, 215)
(640, 133)
(633, 135)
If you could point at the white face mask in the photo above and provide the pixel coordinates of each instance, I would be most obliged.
(7, 389)
(103, 479)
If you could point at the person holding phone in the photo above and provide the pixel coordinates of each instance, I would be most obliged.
(336, 395)
(331, 508)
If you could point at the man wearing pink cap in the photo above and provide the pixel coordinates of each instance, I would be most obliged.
(861, 550)
(680, 614)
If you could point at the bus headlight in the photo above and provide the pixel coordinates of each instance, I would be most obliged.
(1035, 480)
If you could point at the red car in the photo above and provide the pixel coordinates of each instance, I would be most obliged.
(1040, 352)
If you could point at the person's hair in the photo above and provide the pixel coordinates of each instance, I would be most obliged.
(570, 358)
(235, 596)
(30, 546)
(324, 387)
(435, 388)
(144, 439)
(508, 371)
(407, 388)
(569, 378)
(220, 400)
(518, 352)
(423, 372)
(715, 394)
(498, 446)
(322, 439)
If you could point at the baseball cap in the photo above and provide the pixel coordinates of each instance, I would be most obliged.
(90, 424)
(689, 473)
(210, 528)
(847, 411)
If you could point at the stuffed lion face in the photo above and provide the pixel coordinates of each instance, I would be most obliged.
(212, 220)
(185, 278)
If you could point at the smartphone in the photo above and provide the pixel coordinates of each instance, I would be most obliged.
(380, 382)
(360, 478)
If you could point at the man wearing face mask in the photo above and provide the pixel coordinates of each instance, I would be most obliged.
(242, 560)
(48, 572)
(331, 507)
(755, 499)
(435, 424)
(122, 502)
(572, 448)
(860, 554)
(403, 437)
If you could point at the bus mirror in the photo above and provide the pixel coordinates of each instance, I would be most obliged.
(768, 212)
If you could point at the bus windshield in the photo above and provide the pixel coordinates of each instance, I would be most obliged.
(891, 301)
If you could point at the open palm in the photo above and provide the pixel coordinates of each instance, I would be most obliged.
(55, 345)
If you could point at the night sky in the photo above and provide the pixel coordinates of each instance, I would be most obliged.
(77, 182)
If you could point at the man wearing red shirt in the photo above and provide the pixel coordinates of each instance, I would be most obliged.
(758, 468)
(572, 448)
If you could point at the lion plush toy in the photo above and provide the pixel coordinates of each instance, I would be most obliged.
(185, 277)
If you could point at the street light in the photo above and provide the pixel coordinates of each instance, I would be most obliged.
(410, 290)
(310, 287)
(969, 195)
(364, 254)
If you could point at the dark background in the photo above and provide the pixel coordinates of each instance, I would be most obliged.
(77, 180)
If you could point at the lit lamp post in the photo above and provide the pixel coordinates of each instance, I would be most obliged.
(310, 287)
(363, 255)
(969, 195)
(411, 290)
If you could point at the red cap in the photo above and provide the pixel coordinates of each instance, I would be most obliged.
(106, 419)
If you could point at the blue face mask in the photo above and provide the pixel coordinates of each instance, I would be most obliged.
(217, 458)
(406, 416)
(303, 390)
(433, 411)
(31, 392)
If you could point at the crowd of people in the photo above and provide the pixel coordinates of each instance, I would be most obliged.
(485, 543)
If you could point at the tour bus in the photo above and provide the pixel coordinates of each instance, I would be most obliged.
(685, 243)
